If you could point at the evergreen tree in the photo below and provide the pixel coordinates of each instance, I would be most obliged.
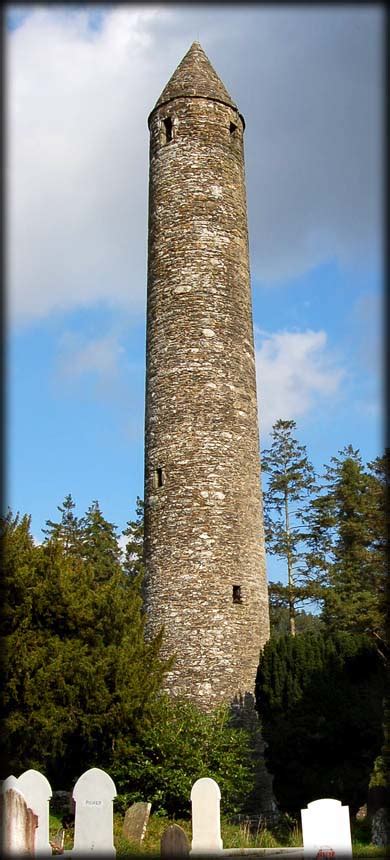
(280, 618)
(133, 562)
(379, 793)
(379, 518)
(290, 483)
(346, 536)
(100, 544)
(68, 531)
(320, 701)
(78, 674)
(18, 571)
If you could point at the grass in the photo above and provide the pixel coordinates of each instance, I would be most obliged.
(233, 836)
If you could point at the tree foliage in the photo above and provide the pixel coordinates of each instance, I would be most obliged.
(134, 532)
(320, 701)
(346, 539)
(78, 673)
(280, 617)
(290, 483)
(321, 698)
(83, 687)
(178, 745)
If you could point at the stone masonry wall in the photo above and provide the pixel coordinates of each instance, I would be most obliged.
(203, 518)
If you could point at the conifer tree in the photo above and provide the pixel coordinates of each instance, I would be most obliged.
(291, 480)
(320, 702)
(78, 674)
(100, 543)
(346, 536)
(18, 571)
(280, 619)
(379, 518)
(134, 531)
(68, 531)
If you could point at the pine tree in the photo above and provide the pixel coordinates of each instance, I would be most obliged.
(290, 482)
(280, 618)
(379, 517)
(68, 531)
(346, 536)
(133, 561)
(100, 544)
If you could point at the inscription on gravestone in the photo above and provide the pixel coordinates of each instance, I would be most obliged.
(94, 793)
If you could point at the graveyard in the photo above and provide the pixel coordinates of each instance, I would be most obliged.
(156, 761)
(28, 829)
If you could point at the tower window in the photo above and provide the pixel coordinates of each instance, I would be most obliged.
(158, 478)
(233, 128)
(237, 596)
(168, 129)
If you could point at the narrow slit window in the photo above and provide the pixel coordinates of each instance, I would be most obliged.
(158, 478)
(168, 129)
(237, 596)
(233, 128)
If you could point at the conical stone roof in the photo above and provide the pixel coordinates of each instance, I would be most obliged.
(195, 76)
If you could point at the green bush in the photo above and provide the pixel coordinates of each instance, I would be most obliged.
(179, 745)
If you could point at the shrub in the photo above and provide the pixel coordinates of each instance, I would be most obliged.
(179, 745)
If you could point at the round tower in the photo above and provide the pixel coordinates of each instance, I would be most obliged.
(205, 578)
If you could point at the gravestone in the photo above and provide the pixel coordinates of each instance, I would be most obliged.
(94, 793)
(174, 842)
(380, 827)
(37, 792)
(206, 823)
(135, 822)
(18, 822)
(326, 830)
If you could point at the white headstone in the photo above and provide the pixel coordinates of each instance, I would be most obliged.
(19, 823)
(206, 819)
(37, 792)
(94, 793)
(10, 782)
(326, 830)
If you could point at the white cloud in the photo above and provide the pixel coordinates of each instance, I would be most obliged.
(294, 370)
(96, 369)
(307, 80)
(80, 356)
(77, 160)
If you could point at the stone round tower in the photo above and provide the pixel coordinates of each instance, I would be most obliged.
(205, 576)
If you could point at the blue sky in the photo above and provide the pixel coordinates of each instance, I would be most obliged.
(81, 82)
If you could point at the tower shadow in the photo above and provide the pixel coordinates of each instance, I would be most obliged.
(261, 801)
